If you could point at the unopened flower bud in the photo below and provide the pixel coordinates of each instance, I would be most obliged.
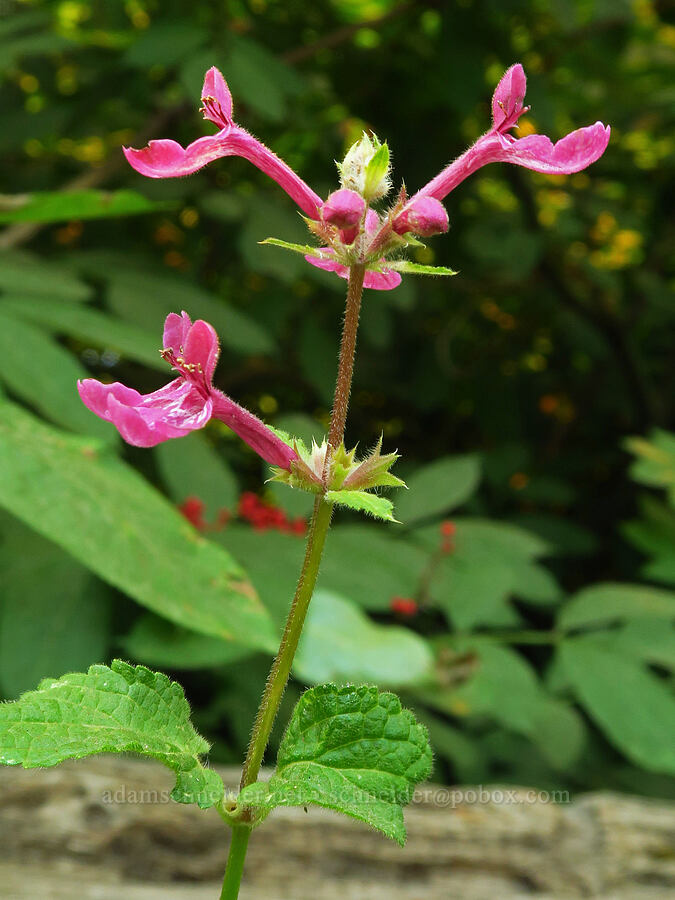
(343, 208)
(365, 168)
(424, 216)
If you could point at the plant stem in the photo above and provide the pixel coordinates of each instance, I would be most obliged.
(281, 667)
(343, 385)
(235, 862)
(316, 539)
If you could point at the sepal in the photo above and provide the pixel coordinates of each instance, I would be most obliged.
(373, 471)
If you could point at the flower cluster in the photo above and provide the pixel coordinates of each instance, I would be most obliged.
(348, 229)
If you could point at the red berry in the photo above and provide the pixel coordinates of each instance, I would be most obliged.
(404, 606)
(193, 510)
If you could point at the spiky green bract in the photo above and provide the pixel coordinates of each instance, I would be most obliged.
(344, 473)
(351, 749)
(116, 709)
(373, 471)
(411, 268)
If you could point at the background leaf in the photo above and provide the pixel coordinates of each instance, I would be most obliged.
(645, 735)
(438, 488)
(115, 523)
(54, 615)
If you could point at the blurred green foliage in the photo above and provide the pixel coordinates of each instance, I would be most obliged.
(543, 648)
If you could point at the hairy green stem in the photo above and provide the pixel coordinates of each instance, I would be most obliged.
(316, 539)
(343, 385)
(281, 667)
(235, 862)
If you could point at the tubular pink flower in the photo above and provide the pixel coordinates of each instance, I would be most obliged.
(168, 159)
(343, 208)
(185, 404)
(425, 216)
(572, 153)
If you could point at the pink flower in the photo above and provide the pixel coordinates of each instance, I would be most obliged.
(167, 159)
(384, 279)
(185, 404)
(343, 208)
(424, 216)
(572, 153)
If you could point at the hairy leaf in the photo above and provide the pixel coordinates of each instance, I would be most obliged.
(121, 709)
(350, 749)
(371, 504)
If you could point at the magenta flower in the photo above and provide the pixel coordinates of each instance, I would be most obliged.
(167, 159)
(570, 154)
(380, 279)
(349, 232)
(185, 404)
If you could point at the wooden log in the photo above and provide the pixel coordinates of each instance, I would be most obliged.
(105, 828)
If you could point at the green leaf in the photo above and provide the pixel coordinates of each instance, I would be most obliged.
(41, 373)
(259, 78)
(350, 749)
(381, 565)
(362, 501)
(376, 170)
(267, 217)
(603, 603)
(634, 708)
(100, 510)
(145, 297)
(655, 464)
(89, 325)
(340, 643)
(273, 560)
(54, 616)
(305, 249)
(165, 44)
(24, 273)
(121, 709)
(411, 268)
(489, 562)
(63, 206)
(160, 643)
(438, 488)
(192, 467)
(648, 640)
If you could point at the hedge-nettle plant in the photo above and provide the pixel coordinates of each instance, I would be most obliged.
(349, 748)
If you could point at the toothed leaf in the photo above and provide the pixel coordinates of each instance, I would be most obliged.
(350, 749)
(116, 709)
(371, 504)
